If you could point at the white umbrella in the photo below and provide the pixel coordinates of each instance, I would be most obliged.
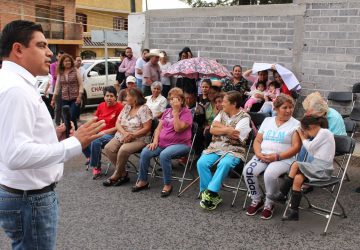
(288, 77)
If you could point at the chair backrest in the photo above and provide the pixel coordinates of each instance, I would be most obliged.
(344, 144)
(356, 88)
(194, 128)
(350, 126)
(340, 96)
(154, 124)
(258, 117)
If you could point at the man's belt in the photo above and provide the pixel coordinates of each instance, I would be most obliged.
(46, 189)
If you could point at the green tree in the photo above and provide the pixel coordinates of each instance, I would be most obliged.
(203, 3)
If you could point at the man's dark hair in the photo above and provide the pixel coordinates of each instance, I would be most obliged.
(18, 31)
(60, 52)
(110, 89)
(237, 66)
(128, 48)
(147, 50)
(235, 97)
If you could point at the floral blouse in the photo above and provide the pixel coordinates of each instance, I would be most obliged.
(134, 123)
(240, 86)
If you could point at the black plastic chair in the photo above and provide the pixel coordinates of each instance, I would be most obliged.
(344, 146)
(342, 98)
(356, 88)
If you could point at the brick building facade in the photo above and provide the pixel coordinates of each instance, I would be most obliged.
(56, 17)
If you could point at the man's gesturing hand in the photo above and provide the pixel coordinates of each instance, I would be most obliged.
(89, 131)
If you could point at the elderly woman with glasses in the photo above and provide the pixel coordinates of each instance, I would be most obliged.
(172, 138)
(156, 102)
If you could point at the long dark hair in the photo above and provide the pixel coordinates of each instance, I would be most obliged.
(60, 67)
(308, 120)
(139, 97)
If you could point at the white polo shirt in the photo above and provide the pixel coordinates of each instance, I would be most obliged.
(31, 157)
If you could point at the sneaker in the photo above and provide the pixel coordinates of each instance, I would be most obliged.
(267, 213)
(209, 201)
(254, 208)
(96, 173)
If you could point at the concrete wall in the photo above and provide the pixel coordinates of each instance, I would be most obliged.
(319, 40)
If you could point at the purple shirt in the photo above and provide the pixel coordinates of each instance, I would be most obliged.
(53, 67)
(127, 66)
(168, 136)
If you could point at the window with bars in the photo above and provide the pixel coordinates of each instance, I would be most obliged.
(120, 23)
(82, 18)
(51, 19)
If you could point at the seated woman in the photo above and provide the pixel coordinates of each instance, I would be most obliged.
(322, 147)
(198, 113)
(133, 133)
(270, 95)
(130, 84)
(156, 102)
(314, 104)
(230, 130)
(237, 82)
(172, 138)
(275, 146)
(262, 76)
(108, 111)
(205, 86)
(210, 112)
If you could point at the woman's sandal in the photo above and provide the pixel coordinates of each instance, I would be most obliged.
(109, 182)
(139, 188)
(166, 193)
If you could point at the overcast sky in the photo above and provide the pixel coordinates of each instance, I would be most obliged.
(164, 4)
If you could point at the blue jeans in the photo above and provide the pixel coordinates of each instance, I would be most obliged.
(29, 221)
(74, 110)
(139, 83)
(165, 155)
(304, 154)
(213, 183)
(268, 108)
(93, 151)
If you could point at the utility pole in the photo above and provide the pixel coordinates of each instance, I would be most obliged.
(146, 4)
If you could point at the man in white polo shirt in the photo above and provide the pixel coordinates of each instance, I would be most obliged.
(31, 156)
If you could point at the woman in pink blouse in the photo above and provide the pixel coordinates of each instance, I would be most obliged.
(133, 133)
(172, 138)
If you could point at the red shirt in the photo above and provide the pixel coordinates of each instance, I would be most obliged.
(109, 114)
(285, 90)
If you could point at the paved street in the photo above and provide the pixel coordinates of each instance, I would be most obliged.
(95, 217)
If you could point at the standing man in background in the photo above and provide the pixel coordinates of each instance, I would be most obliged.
(31, 156)
(151, 71)
(53, 67)
(78, 65)
(127, 66)
(140, 62)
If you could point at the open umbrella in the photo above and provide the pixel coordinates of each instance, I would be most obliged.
(288, 77)
(197, 67)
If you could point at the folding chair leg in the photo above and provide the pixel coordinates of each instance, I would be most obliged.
(183, 177)
(188, 186)
(333, 208)
(236, 191)
(287, 205)
(107, 168)
(245, 200)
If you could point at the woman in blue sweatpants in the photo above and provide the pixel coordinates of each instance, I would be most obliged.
(230, 130)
